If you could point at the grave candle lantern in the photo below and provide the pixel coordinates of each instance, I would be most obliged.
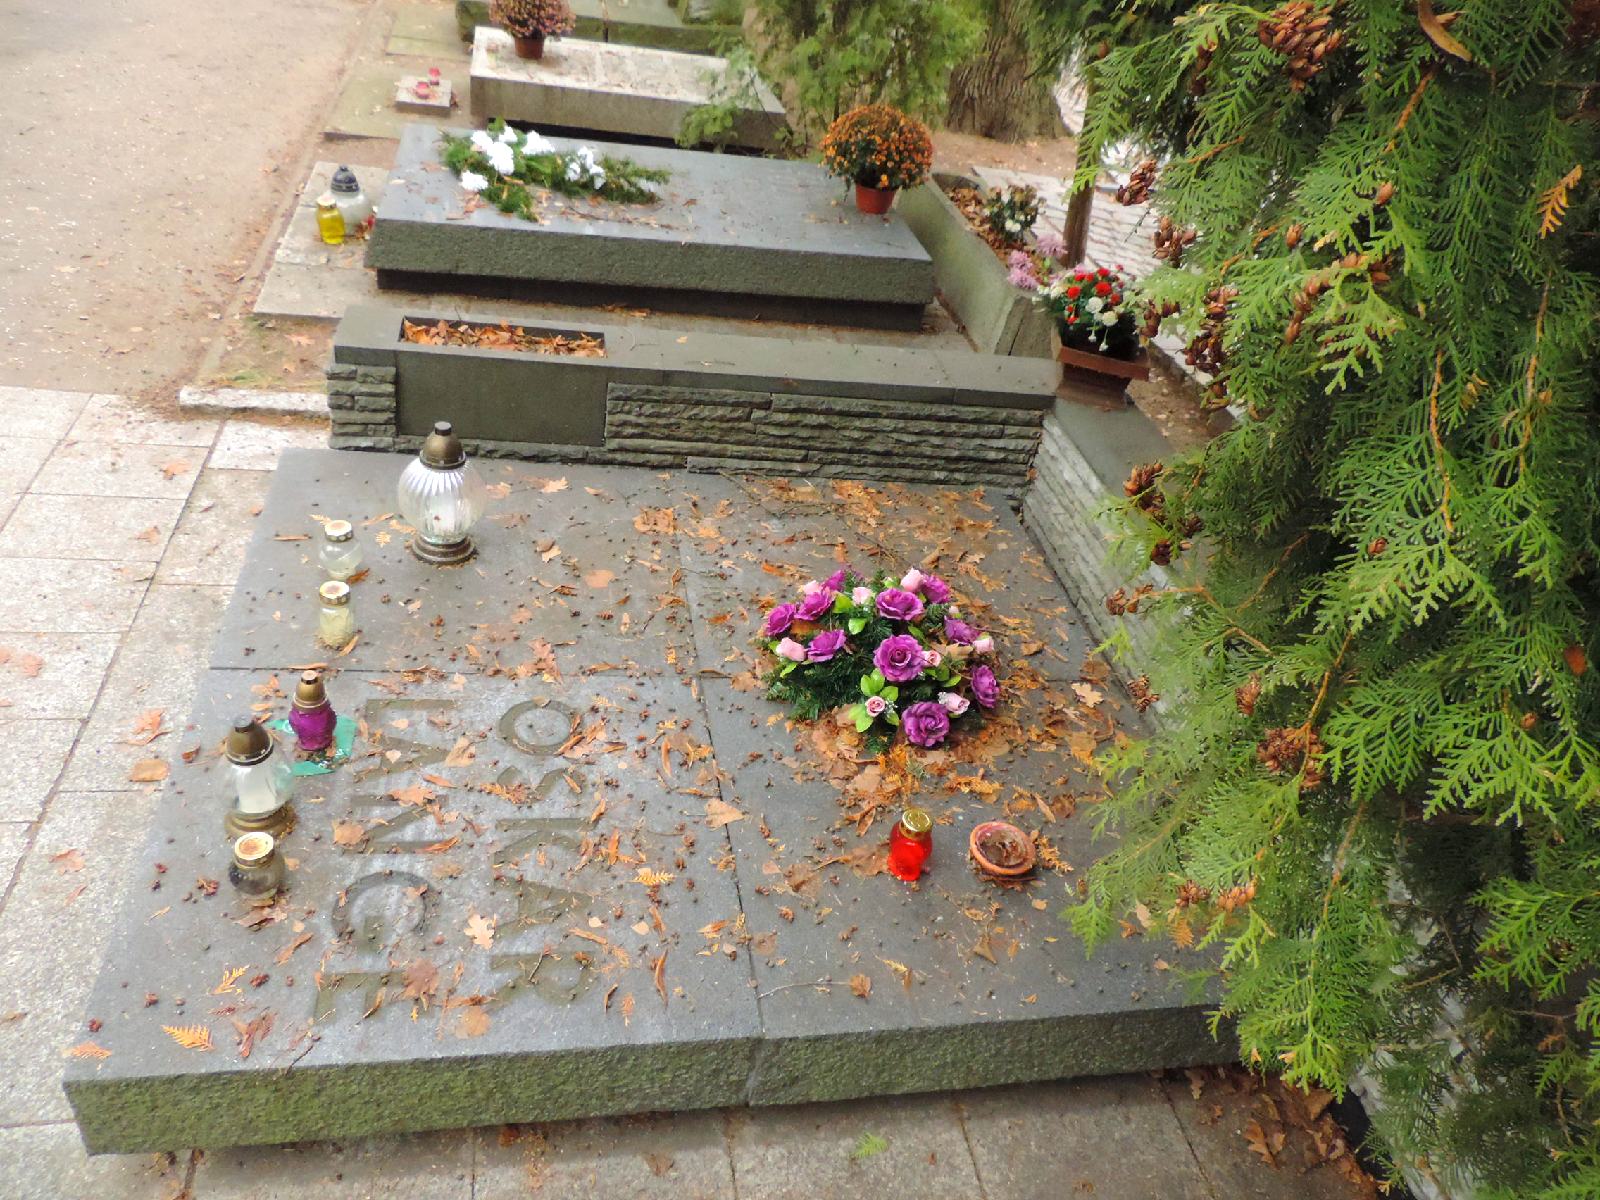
(441, 495)
(263, 782)
(910, 844)
(336, 623)
(353, 204)
(340, 553)
(311, 715)
(257, 868)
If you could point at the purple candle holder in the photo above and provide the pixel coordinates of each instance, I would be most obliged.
(311, 716)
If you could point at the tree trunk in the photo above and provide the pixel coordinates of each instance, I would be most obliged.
(1075, 233)
(992, 95)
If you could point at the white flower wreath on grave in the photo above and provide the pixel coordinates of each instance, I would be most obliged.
(507, 167)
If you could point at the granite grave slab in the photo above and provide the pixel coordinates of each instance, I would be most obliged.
(610, 88)
(752, 237)
(577, 865)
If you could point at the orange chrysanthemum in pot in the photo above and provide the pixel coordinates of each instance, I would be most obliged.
(881, 150)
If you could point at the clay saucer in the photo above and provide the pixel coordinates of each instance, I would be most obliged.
(1001, 849)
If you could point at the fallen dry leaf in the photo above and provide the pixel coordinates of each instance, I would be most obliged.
(147, 728)
(68, 861)
(861, 986)
(190, 1037)
(720, 813)
(148, 770)
(348, 833)
(171, 470)
(480, 930)
(89, 1050)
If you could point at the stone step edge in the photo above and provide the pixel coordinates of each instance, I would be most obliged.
(227, 401)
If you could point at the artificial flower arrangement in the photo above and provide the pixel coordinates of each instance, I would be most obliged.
(1010, 214)
(1092, 306)
(878, 147)
(895, 653)
(506, 166)
(532, 18)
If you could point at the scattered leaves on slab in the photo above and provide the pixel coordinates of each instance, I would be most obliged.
(88, 1050)
(861, 985)
(720, 813)
(190, 1037)
(480, 930)
(148, 770)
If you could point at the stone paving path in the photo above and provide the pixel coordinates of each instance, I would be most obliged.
(121, 539)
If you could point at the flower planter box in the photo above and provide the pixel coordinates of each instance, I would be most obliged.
(658, 398)
(999, 317)
(1097, 378)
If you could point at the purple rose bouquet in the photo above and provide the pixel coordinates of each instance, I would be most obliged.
(895, 653)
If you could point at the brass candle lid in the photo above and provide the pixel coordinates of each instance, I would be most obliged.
(249, 743)
(335, 593)
(443, 449)
(310, 693)
(253, 849)
(338, 531)
(916, 821)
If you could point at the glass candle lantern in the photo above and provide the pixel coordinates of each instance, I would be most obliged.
(441, 496)
(340, 553)
(257, 868)
(311, 716)
(330, 223)
(352, 202)
(910, 844)
(336, 623)
(263, 782)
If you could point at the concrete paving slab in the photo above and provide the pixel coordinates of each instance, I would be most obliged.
(611, 88)
(228, 401)
(13, 845)
(425, 29)
(24, 457)
(110, 527)
(40, 412)
(431, 1167)
(365, 108)
(53, 675)
(253, 446)
(900, 1146)
(96, 468)
(1113, 1139)
(752, 234)
(652, 1157)
(175, 625)
(32, 756)
(56, 595)
(48, 978)
(209, 543)
(115, 419)
(320, 292)
(48, 1162)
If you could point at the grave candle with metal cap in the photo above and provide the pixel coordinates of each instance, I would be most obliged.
(340, 553)
(441, 496)
(352, 202)
(263, 781)
(910, 844)
(257, 868)
(336, 622)
(311, 714)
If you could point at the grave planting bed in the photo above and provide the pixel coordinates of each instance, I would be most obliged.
(578, 865)
(754, 238)
(700, 400)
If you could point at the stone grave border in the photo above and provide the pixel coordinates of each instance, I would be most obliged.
(700, 401)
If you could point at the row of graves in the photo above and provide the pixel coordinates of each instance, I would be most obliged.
(667, 706)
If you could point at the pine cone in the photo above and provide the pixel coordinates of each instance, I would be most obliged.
(1199, 81)
(1237, 897)
(1206, 351)
(1161, 554)
(1300, 33)
(1191, 893)
(1246, 695)
(1137, 189)
(1141, 479)
(1143, 697)
(1293, 750)
(1170, 241)
(1155, 314)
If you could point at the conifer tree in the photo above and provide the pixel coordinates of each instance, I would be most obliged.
(1375, 793)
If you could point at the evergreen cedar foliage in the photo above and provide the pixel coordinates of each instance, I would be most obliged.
(1377, 787)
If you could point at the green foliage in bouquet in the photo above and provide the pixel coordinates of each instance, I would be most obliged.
(509, 168)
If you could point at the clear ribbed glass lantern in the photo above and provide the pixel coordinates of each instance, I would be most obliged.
(441, 496)
(263, 782)
(336, 620)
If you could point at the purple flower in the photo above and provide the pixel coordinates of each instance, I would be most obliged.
(876, 705)
(912, 580)
(984, 645)
(935, 590)
(1051, 244)
(899, 605)
(959, 632)
(926, 723)
(1018, 258)
(931, 658)
(953, 704)
(899, 658)
(861, 596)
(835, 582)
(817, 605)
(825, 645)
(985, 688)
(1023, 277)
(779, 619)
(791, 649)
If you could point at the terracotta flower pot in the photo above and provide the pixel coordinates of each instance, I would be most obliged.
(1001, 849)
(529, 47)
(1098, 378)
(875, 201)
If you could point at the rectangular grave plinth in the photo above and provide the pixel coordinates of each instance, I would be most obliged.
(610, 88)
(749, 237)
(576, 864)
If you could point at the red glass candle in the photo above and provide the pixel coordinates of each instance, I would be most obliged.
(910, 844)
